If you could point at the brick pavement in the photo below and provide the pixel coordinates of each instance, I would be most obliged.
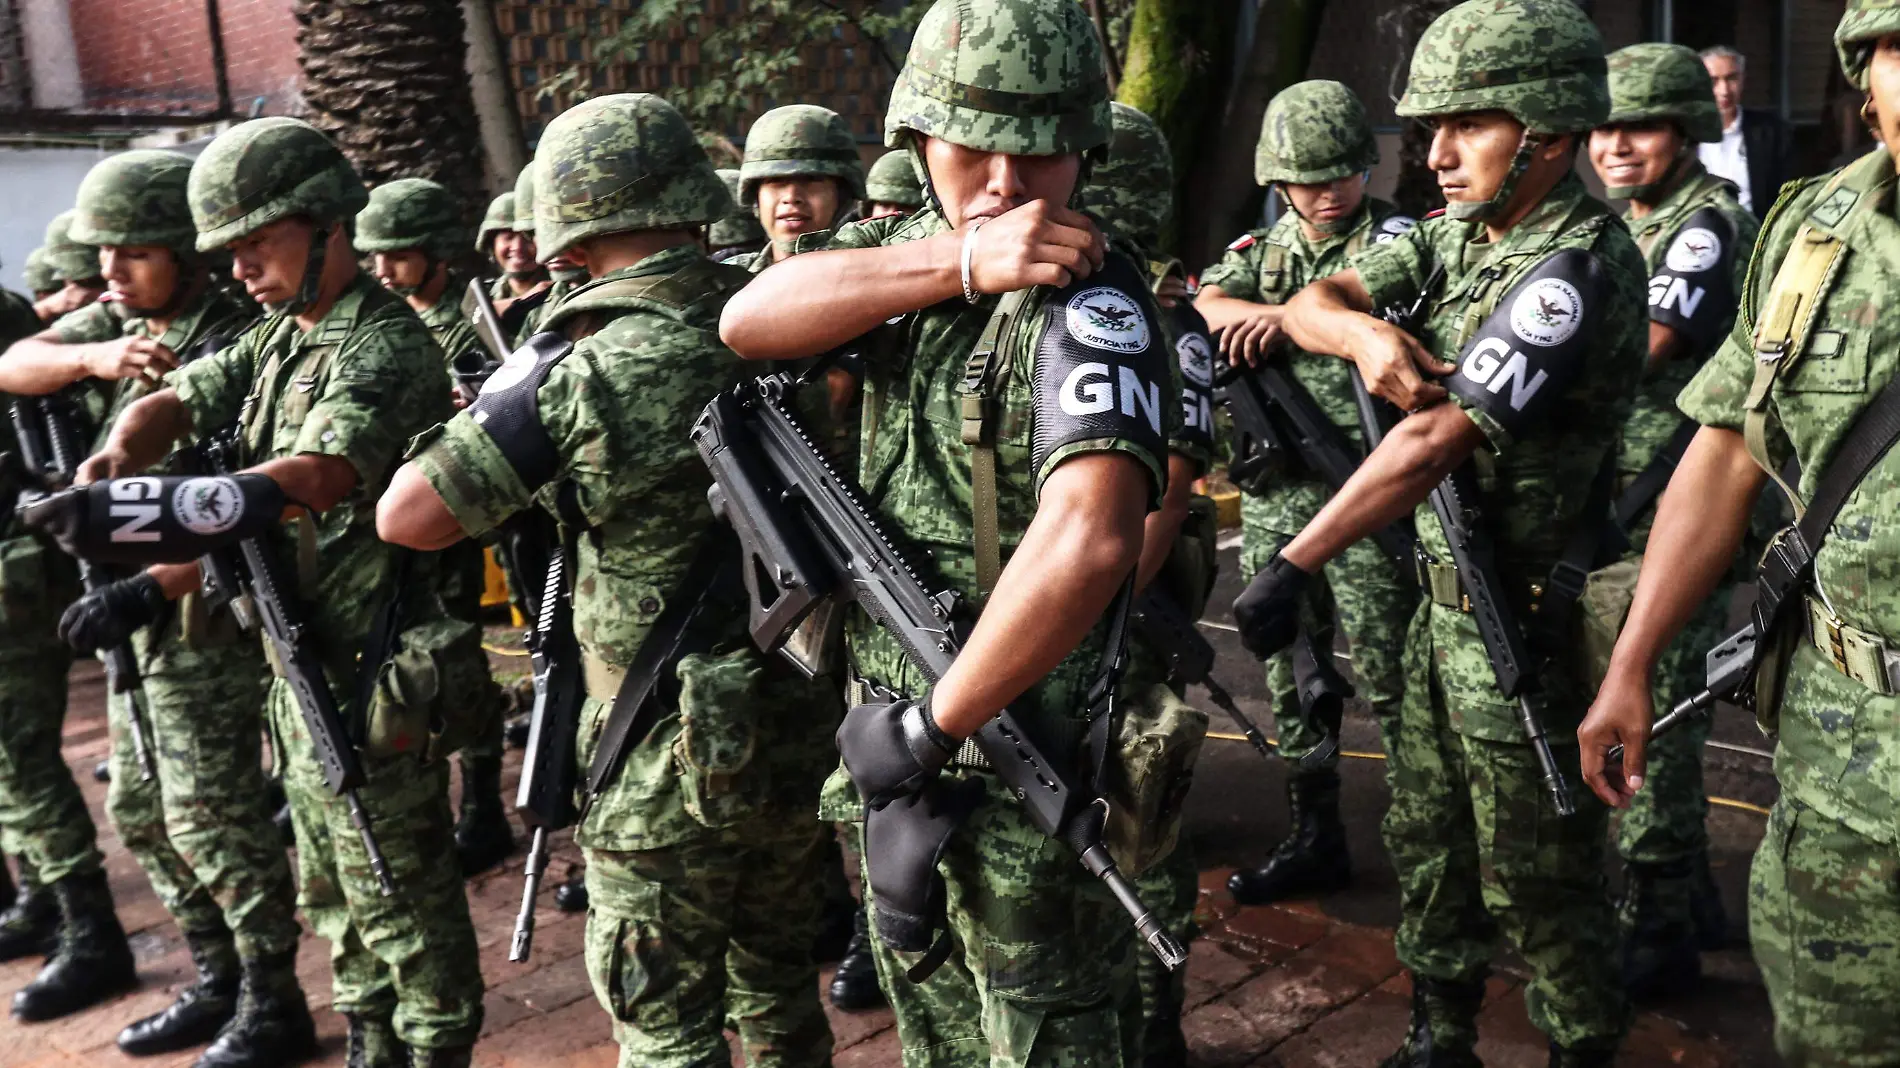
(1276, 986)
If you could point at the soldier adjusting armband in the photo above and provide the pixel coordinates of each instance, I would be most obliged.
(1693, 290)
(1523, 358)
(1101, 367)
(509, 408)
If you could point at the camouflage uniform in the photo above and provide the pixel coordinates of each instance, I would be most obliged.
(797, 141)
(201, 830)
(702, 852)
(357, 385)
(893, 180)
(1132, 193)
(1692, 240)
(1475, 840)
(1823, 905)
(1043, 969)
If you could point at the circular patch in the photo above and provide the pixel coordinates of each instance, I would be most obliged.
(1548, 313)
(1393, 226)
(1106, 318)
(519, 364)
(1197, 358)
(208, 505)
(1694, 250)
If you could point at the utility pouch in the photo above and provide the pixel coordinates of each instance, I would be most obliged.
(430, 697)
(1781, 583)
(1604, 605)
(1158, 742)
(1188, 572)
(719, 736)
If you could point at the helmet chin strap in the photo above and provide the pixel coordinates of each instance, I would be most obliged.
(429, 264)
(312, 281)
(1330, 228)
(1485, 211)
(570, 275)
(1651, 192)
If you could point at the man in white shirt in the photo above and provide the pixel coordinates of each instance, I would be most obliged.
(1755, 147)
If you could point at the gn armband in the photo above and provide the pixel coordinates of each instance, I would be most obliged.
(156, 520)
(1101, 366)
(1521, 360)
(509, 408)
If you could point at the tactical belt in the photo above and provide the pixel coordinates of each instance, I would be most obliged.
(1864, 657)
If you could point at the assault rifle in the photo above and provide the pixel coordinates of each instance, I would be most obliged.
(51, 448)
(1167, 630)
(806, 536)
(545, 799)
(470, 369)
(1730, 665)
(250, 571)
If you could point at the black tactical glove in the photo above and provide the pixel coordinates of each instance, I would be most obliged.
(150, 519)
(893, 750)
(1322, 694)
(902, 843)
(1268, 610)
(108, 615)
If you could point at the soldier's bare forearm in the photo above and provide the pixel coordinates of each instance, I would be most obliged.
(1330, 315)
(1221, 310)
(176, 580)
(310, 479)
(38, 365)
(1413, 459)
(1699, 526)
(1086, 536)
(147, 430)
(815, 302)
(1164, 523)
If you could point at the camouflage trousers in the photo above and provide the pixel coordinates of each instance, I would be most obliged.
(1668, 818)
(1171, 888)
(202, 829)
(1363, 594)
(685, 939)
(410, 956)
(1043, 972)
(1480, 851)
(41, 809)
(1824, 917)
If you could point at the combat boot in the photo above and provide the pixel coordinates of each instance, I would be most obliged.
(571, 896)
(272, 1025)
(1312, 859)
(1582, 1056)
(483, 837)
(1660, 952)
(1443, 1032)
(1705, 907)
(373, 1043)
(30, 925)
(202, 1008)
(92, 961)
(854, 985)
(457, 1057)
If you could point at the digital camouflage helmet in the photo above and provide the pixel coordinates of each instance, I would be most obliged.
(1863, 23)
(1315, 132)
(411, 213)
(265, 170)
(801, 141)
(1653, 82)
(136, 199)
(1132, 190)
(524, 199)
(1541, 61)
(1018, 76)
(617, 163)
(893, 180)
(740, 229)
(499, 217)
(69, 260)
(37, 275)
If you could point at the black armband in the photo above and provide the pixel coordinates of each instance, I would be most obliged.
(1101, 366)
(1693, 290)
(1194, 350)
(149, 519)
(509, 408)
(1522, 359)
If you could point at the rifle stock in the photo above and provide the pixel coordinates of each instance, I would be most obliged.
(806, 535)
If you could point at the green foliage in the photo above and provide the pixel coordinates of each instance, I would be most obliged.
(749, 51)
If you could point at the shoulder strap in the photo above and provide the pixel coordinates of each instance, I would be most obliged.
(1649, 483)
(979, 433)
(1874, 432)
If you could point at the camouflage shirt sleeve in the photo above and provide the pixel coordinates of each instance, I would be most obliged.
(94, 322)
(373, 377)
(1394, 271)
(1238, 271)
(213, 387)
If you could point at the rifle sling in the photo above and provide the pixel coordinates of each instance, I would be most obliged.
(714, 568)
(378, 645)
(1648, 484)
(979, 433)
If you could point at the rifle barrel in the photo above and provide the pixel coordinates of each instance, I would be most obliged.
(523, 943)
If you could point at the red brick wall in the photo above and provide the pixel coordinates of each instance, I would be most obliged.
(159, 60)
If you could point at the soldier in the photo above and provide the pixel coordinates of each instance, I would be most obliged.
(512, 250)
(801, 174)
(1539, 284)
(38, 275)
(891, 187)
(1316, 146)
(325, 390)
(1133, 193)
(1689, 227)
(1812, 356)
(75, 267)
(202, 830)
(1004, 139)
(564, 272)
(702, 853)
(737, 234)
(412, 229)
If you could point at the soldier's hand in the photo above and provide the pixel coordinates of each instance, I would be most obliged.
(1267, 612)
(108, 463)
(893, 750)
(1621, 715)
(1037, 244)
(1172, 291)
(1394, 366)
(1250, 338)
(131, 357)
(108, 615)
